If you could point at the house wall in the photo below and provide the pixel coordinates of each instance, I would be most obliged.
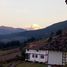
(38, 53)
(49, 65)
(54, 58)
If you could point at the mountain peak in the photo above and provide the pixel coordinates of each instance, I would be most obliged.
(9, 30)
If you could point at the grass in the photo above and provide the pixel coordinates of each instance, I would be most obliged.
(31, 65)
(25, 64)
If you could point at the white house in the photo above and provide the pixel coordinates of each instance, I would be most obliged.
(36, 55)
(52, 58)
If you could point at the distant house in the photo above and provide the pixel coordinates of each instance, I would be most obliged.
(36, 55)
(53, 53)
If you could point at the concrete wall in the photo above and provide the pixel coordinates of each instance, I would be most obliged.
(55, 57)
(49, 66)
(38, 53)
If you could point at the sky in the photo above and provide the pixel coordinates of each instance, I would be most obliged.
(24, 13)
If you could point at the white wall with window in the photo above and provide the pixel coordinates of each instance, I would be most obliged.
(37, 55)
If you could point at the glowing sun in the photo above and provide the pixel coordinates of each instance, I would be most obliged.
(35, 26)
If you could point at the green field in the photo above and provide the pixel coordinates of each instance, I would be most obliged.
(31, 65)
(25, 64)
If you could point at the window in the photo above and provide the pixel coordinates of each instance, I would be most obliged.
(37, 50)
(42, 56)
(33, 55)
(27, 56)
(27, 49)
(36, 56)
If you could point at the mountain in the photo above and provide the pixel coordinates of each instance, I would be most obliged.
(8, 30)
(41, 33)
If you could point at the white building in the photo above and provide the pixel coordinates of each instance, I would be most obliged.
(52, 58)
(37, 55)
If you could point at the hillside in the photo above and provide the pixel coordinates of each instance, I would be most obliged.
(57, 42)
(8, 30)
(37, 34)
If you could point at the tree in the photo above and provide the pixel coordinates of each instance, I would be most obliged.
(59, 32)
(30, 40)
(13, 44)
(22, 57)
(51, 36)
(49, 39)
